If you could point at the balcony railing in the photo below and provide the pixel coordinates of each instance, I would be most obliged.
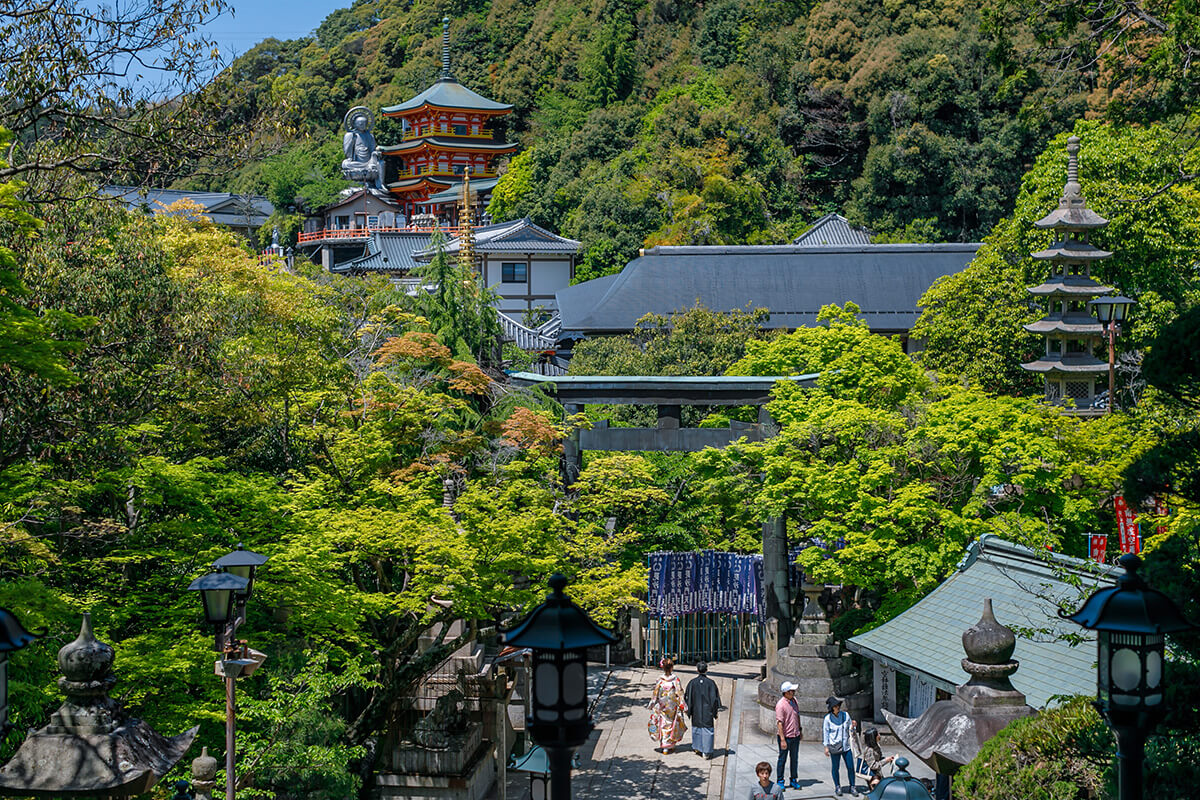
(354, 234)
(444, 130)
(417, 172)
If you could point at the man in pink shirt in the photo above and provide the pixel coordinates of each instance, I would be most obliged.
(787, 727)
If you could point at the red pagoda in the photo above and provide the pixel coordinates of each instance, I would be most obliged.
(445, 138)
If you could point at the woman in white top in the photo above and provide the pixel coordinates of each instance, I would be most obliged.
(835, 735)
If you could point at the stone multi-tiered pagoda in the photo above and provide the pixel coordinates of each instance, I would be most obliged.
(1070, 366)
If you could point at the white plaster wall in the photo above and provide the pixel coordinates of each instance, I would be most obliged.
(550, 276)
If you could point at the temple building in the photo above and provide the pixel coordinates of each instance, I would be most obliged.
(446, 136)
(1069, 365)
(413, 186)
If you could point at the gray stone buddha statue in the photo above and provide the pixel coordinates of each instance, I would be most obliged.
(363, 158)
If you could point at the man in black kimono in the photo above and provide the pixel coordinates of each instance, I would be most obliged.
(703, 701)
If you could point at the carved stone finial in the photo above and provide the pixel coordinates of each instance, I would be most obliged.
(204, 766)
(989, 647)
(87, 676)
(1072, 192)
(86, 663)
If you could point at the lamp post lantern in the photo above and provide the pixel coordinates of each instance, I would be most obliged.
(13, 636)
(1130, 620)
(558, 632)
(1111, 311)
(223, 595)
(900, 785)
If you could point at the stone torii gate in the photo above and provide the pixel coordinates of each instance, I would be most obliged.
(670, 394)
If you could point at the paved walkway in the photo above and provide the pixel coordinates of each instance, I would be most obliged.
(619, 763)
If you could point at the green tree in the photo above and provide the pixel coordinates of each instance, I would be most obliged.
(972, 320)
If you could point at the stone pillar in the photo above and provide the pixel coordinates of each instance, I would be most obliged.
(816, 664)
(885, 691)
(635, 637)
(572, 454)
(775, 576)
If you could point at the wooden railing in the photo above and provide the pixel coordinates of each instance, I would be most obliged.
(444, 130)
(330, 234)
(523, 337)
(417, 172)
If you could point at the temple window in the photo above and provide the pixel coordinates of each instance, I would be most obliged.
(513, 273)
(460, 130)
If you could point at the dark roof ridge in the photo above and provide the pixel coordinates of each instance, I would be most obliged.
(789, 249)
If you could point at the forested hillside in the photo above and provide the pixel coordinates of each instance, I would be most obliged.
(670, 122)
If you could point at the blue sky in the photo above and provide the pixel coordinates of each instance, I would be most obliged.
(255, 20)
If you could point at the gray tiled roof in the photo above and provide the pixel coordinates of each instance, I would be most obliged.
(387, 252)
(448, 93)
(517, 236)
(927, 638)
(792, 282)
(482, 186)
(833, 229)
(224, 208)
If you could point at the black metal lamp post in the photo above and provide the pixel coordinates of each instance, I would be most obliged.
(13, 636)
(1130, 620)
(224, 595)
(1111, 312)
(558, 632)
(900, 785)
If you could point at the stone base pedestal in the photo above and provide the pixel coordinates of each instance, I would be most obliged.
(817, 665)
(459, 773)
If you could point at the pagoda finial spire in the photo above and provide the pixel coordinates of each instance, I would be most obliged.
(1073, 191)
(445, 47)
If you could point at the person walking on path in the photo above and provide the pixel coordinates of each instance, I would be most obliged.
(703, 701)
(835, 735)
(667, 708)
(869, 751)
(787, 730)
(765, 790)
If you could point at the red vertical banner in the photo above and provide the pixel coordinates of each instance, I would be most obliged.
(1097, 546)
(1127, 526)
(1161, 509)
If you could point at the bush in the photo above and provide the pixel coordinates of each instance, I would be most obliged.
(1061, 754)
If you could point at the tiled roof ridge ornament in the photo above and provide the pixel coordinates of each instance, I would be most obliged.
(989, 647)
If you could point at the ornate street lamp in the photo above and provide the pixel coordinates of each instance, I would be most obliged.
(217, 596)
(242, 563)
(558, 633)
(224, 595)
(1111, 312)
(1130, 620)
(900, 785)
(13, 636)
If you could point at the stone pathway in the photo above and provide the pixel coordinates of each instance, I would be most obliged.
(619, 763)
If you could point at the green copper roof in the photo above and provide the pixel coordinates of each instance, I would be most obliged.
(448, 93)
(1024, 586)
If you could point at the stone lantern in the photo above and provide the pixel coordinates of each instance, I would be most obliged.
(204, 774)
(950, 732)
(90, 746)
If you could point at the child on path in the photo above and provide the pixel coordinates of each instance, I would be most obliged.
(766, 789)
(870, 752)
